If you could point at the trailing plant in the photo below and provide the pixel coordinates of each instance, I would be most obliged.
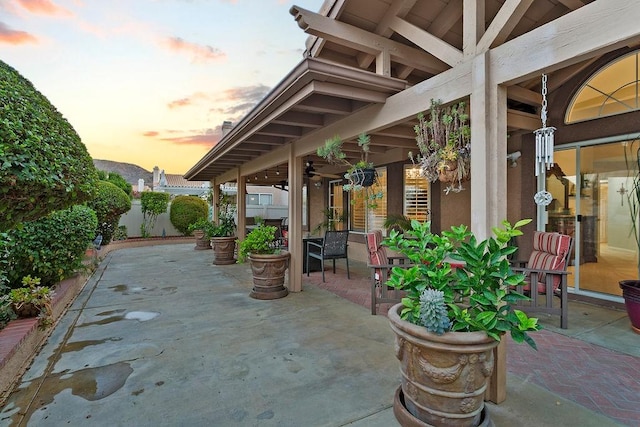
(185, 210)
(332, 152)
(478, 295)
(109, 203)
(51, 248)
(32, 299)
(45, 166)
(226, 222)
(398, 222)
(444, 140)
(259, 241)
(153, 204)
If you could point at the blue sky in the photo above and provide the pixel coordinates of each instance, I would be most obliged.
(150, 82)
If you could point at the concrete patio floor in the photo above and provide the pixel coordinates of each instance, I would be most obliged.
(160, 336)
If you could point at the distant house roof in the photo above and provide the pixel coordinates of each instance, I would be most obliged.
(177, 184)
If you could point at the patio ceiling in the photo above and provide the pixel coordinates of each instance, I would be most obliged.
(360, 52)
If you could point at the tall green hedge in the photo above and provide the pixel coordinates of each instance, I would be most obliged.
(185, 210)
(109, 203)
(52, 247)
(44, 166)
(152, 205)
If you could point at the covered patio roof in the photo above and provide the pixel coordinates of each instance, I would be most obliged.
(314, 94)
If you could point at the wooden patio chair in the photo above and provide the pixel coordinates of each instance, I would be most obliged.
(334, 246)
(547, 269)
(380, 265)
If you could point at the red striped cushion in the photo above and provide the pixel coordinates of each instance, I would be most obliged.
(373, 240)
(549, 253)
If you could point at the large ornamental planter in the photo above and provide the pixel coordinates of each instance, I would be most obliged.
(631, 294)
(223, 250)
(202, 241)
(269, 274)
(444, 377)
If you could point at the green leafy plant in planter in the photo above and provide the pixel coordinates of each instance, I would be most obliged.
(478, 295)
(631, 287)
(259, 241)
(32, 300)
(451, 319)
(268, 263)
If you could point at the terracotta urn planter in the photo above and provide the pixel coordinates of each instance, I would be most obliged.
(444, 377)
(202, 243)
(223, 250)
(631, 294)
(268, 275)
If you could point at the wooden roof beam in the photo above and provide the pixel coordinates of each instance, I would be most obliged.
(364, 41)
(572, 4)
(300, 118)
(526, 96)
(503, 23)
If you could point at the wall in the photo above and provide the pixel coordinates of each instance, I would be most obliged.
(133, 219)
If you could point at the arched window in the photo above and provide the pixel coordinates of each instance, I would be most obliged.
(614, 89)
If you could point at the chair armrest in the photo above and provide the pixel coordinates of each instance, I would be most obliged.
(519, 263)
(526, 270)
(400, 260)
(317, 245)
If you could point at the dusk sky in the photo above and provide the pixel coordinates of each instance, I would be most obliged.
(150, 82)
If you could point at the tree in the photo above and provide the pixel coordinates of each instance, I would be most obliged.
(45, 166)
(153, 204)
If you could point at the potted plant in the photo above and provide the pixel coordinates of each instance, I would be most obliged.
(201, 230)
(32, 300)
(268, 262)
(361, 174)
(444, 140)
(451, 319)
(631, 288)
(221, 235)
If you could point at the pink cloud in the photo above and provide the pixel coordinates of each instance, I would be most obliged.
(206, 138)
(44, 7)
(151, 133)
(9, 36)
(200, 53)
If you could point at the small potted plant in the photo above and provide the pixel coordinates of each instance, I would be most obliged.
(201, 230)
(451, 319)
(268, 262)
(32, 300)
(444, 140)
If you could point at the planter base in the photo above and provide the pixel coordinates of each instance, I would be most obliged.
(634, 329)
(405, 418)
(266, 294)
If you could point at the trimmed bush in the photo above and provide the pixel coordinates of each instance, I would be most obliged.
(109, 204)
(51, 248)
(186, 210)
(45, 166)
(116, 179)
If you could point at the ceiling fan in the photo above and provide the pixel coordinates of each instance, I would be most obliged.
(311, 173)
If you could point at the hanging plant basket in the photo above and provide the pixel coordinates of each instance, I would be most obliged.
(363, 177)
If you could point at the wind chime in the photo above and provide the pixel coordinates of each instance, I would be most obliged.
(544, 150)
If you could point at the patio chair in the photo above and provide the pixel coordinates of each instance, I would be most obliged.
(334, 246)
(380, 265)
(547, 269)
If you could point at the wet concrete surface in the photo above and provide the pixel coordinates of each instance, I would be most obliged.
(160, 336)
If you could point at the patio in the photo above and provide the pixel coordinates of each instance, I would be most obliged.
(160, 336)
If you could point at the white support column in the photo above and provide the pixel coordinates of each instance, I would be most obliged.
(215, 197)
(488, 150)
(241, 205)
(295, 221)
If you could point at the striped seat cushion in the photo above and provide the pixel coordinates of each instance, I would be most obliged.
(550, 252)
(377, 254)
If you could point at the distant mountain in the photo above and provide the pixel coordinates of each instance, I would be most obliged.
(131, 173)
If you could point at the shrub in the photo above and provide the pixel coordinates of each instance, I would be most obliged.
(45, 166)
(120, 233)
(109, 204)
(259, 241)
(152, 204)
(51, 248)
(186, 210)
(116, 179)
